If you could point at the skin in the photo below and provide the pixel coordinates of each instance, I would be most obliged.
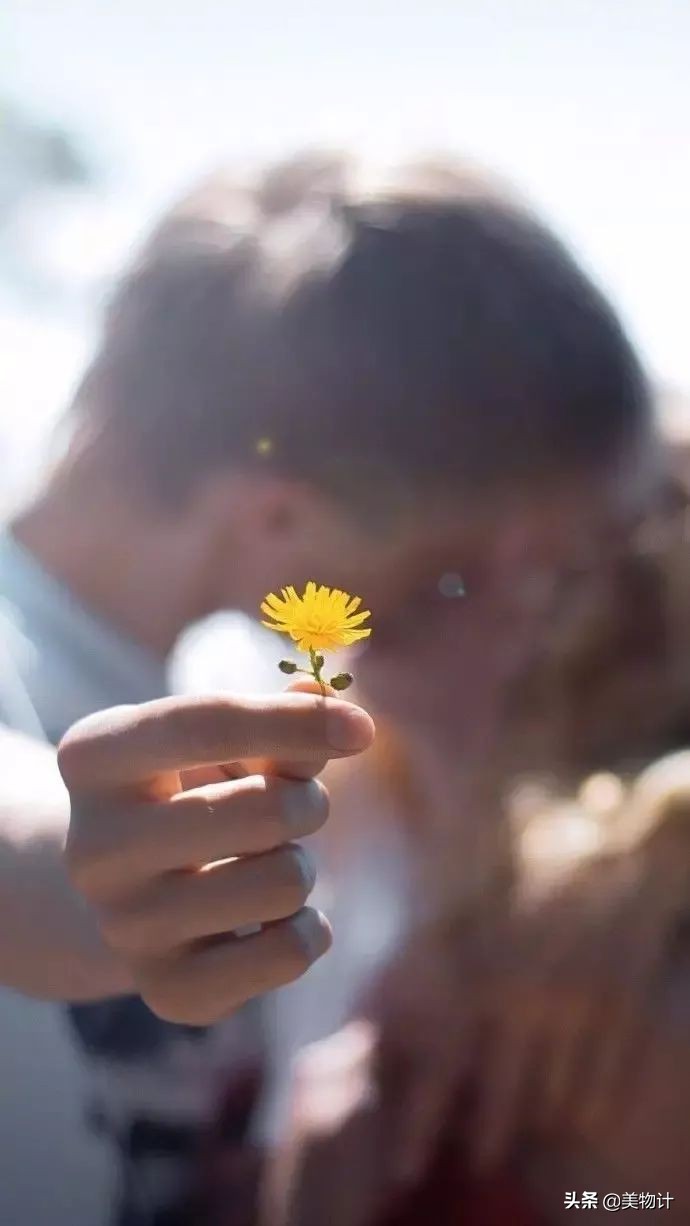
(136, 838)
(153, 908)
(184, 814)
(50, 945)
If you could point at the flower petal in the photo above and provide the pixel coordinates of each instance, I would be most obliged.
(322, 619)
(353, 636)
(270, 612)
(273, 626)
(275, 602)
(357, 619)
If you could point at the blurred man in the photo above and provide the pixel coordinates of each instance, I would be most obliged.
(50, 944)
(380, 389)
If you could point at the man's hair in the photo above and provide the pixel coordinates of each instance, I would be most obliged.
(429, 331)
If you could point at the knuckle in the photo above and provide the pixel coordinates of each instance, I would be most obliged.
(171, 1005)
(72, 753)
(173, 998)
(85, 868)
(274, 829)
(260, 798)
(96, 860)
(123, 931)
(142, 926)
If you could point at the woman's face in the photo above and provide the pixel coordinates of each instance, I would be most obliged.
(440, 665)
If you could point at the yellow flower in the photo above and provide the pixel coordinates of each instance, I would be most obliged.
(320, 620)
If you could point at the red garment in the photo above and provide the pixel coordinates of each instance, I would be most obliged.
(501, 1200)
(498, 1201)
(449, 1196)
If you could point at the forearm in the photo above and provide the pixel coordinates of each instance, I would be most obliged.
(50, 946)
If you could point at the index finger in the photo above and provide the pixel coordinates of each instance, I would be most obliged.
(136, 744)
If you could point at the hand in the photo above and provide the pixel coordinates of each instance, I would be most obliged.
(182, 816)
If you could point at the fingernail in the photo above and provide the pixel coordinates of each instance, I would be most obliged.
(348, 729)
(305, 807)
(314, 931)
(307, 867)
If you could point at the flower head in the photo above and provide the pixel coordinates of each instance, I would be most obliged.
(322, 619)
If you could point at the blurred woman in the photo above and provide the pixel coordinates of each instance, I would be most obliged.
(528, 1049)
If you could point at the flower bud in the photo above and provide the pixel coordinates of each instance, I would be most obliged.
(287, 666)
(318, 660)
(341, 681)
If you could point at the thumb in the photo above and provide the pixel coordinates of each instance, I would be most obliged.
(297, 770)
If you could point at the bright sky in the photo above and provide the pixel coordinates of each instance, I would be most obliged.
(584, 103)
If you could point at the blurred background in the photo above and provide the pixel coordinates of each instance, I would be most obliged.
(107, 111)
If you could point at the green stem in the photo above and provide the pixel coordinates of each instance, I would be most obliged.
(316, 670)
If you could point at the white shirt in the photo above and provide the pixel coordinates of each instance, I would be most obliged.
(58, 662)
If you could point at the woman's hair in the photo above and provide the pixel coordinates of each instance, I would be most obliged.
(597, 931)
(581, 940)
(611, 689)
